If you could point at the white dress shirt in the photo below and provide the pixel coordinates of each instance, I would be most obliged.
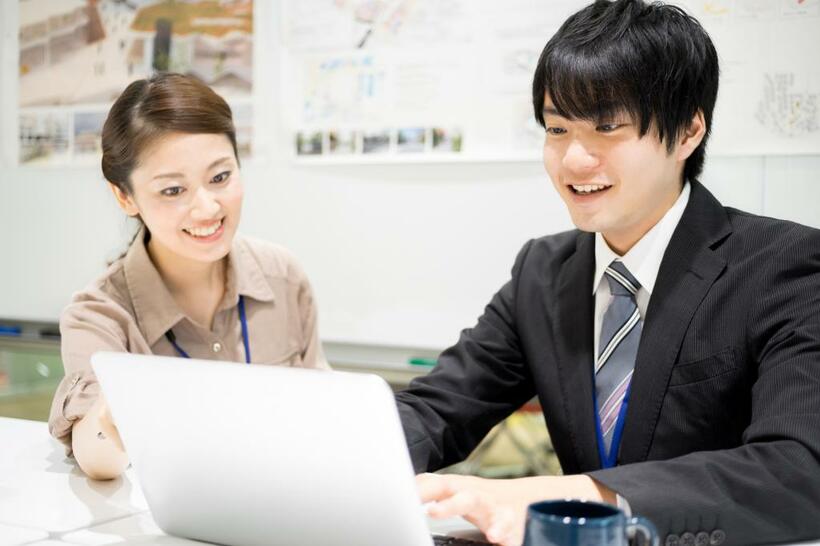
(643, 260)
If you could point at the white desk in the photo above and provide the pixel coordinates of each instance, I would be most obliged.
(43, 496)
(46, 501)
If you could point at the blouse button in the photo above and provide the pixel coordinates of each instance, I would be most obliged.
(216, 347)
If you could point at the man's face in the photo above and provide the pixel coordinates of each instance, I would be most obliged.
(612, 180)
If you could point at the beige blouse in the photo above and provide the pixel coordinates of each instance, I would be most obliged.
(130, 309)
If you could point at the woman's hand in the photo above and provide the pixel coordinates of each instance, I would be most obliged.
(97, 444)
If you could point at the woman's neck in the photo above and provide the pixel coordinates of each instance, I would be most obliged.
(198, 287)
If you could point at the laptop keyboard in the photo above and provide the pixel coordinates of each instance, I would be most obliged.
(441, 540)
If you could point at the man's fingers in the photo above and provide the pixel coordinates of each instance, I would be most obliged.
(496, 522)
(468, 504)
(432, 487)
(453, 496)
(505, 528)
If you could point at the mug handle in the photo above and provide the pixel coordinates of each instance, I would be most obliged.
(643, 526)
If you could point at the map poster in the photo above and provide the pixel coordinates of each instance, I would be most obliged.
(76, 57)
(426, 80)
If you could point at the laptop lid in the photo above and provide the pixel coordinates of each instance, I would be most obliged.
(264, 455)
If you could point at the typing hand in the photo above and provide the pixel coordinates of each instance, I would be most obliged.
(499, 507)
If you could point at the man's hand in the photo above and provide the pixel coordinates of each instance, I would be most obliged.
(499, 507)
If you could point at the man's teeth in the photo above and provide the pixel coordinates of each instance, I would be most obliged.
(588, 188)
(204, 232)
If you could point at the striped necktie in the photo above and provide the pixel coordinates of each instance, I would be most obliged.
(620, 334)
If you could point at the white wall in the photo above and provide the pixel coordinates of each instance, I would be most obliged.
(401, 255)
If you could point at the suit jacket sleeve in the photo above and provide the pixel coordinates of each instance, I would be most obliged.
(476, 384)
(766, 490)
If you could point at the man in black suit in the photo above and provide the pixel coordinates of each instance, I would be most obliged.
(673, 343)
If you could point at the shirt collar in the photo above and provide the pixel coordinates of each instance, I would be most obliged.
(245, 275)
(644, 259)
(155, 309)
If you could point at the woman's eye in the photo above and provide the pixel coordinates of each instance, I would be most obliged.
(173, 191)
(607, 127)
(555, 131)
(221, 177)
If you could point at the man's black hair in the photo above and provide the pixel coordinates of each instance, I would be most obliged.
(651, 61)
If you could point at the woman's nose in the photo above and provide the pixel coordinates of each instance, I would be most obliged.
(205, 205)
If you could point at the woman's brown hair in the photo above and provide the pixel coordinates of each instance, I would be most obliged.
(151, 108)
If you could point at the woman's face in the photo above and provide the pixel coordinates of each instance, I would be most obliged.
(187, 190)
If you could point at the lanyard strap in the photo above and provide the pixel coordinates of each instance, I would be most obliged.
(169, 335)
(609, 460)
(244, 323)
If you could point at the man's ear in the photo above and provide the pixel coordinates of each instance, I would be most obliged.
(692, 136)
(124, 200)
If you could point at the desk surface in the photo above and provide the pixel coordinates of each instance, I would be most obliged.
(45, 500)
(44, 495)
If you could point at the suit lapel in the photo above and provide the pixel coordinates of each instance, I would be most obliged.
(574, 333)
(688, 270)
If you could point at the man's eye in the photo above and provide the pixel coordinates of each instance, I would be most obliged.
(172, 191)
(607, 127)
(221, 177)
(555, 131)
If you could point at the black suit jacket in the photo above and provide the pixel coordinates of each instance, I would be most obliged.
(722, 430)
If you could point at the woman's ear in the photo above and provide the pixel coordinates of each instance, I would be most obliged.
(692, 136)
(124, 200)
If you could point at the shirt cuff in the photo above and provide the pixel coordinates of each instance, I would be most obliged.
(623, 505)
(73, 398)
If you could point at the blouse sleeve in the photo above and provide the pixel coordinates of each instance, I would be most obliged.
(92, 322)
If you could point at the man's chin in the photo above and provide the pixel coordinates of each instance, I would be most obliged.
(589, 225)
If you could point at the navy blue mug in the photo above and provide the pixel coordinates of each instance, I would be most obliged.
(583, 523)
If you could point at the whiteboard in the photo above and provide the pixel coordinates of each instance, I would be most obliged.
(399, 253)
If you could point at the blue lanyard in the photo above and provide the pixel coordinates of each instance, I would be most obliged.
(609, 460)
(169, 335)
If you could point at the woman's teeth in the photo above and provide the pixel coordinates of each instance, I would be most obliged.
(589, 188)
(203, 232)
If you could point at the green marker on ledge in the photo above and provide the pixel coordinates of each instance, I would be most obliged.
(418, 361)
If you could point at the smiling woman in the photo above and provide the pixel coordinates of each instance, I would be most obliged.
(188, 286)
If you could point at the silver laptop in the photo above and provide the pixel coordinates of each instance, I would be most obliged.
(265, 455)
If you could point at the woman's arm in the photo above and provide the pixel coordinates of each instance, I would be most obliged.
(97, 445)
(80, 417)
